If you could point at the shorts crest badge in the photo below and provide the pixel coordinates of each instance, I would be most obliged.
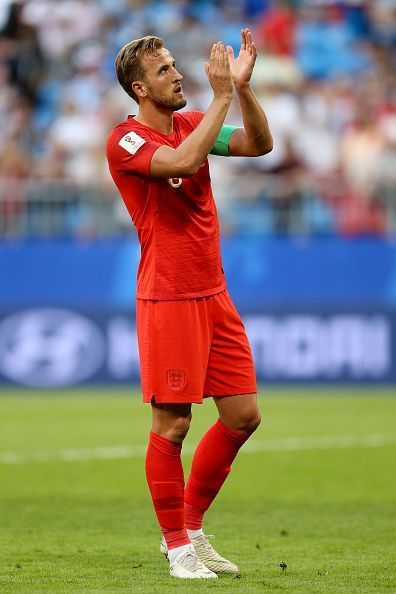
(176, 379)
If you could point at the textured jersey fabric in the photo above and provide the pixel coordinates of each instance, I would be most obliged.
(176, 219)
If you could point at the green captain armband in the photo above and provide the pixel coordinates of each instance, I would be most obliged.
(220, 147)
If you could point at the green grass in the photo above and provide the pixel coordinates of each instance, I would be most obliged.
(79, 526)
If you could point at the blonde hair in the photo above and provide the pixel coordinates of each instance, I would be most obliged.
(128, 62)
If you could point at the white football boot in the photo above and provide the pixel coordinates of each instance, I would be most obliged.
(188, 566)
(208, 556)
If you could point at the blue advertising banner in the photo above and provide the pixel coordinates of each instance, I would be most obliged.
(54, 347)
(261, 272)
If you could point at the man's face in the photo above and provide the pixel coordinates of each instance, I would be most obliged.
(163, 81)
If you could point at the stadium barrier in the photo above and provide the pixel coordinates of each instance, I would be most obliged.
(252, 201)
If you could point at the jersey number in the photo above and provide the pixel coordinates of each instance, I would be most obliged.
(175, 182)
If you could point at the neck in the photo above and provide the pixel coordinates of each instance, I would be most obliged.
(155, 117)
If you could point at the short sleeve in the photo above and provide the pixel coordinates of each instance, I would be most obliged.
(130, 152)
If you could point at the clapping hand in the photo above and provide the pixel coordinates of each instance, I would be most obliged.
(218, 70)
(242, 66)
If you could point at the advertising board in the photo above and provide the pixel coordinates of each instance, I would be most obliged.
(54, 347)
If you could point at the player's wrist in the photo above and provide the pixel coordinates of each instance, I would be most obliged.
(242, 86)
(223, 97)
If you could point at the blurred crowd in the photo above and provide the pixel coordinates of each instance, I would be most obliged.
(324, 74)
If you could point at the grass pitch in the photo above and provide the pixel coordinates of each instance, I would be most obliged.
(315, 490)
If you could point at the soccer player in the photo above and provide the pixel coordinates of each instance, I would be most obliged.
(192, 343)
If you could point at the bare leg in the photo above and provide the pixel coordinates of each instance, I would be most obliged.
(240, 413)
(171, 421)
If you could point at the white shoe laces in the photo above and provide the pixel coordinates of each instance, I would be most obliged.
(203, 542)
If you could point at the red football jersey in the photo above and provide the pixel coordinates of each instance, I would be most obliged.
(176, 219)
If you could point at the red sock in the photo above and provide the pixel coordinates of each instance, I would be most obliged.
(164, 472)
(210, 467)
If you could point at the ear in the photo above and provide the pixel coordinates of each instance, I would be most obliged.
(139, 88)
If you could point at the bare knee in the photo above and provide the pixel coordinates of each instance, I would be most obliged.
(248, 422)
(178, 430)
(173, 424)
(240, 413)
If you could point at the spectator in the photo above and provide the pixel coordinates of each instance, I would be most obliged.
(325, 73)
(276, 29)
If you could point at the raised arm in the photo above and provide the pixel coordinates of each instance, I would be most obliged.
(254, 138)
(192, 152)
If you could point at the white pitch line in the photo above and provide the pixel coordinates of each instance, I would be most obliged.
(291, 444)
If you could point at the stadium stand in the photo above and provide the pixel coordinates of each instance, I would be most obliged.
(324, 74)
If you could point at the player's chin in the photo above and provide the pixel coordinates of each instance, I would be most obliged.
(179, 104)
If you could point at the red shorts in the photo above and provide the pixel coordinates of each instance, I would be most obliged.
(192, 349)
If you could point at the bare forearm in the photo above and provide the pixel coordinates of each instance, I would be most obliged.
(198, 144)
(258, 134)
(187, 158)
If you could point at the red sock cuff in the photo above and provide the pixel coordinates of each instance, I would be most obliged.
(164, 445)
(175, 538)
(235, 436)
